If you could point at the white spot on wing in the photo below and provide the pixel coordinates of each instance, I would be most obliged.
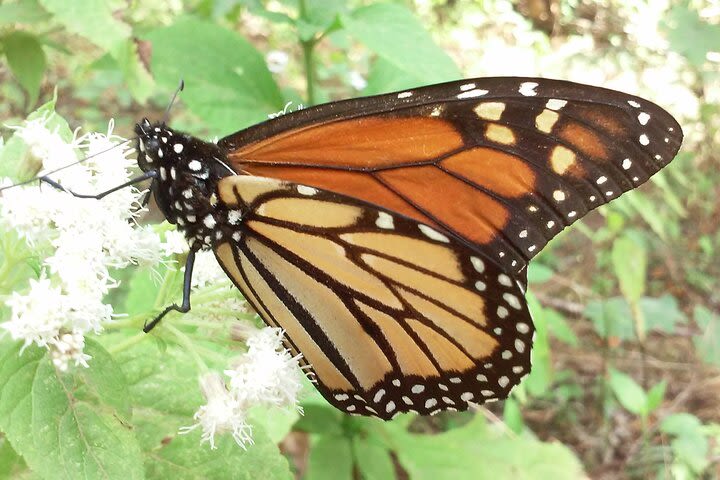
(379, 395)
(305, 190)
(433, 234)
(512, 300)
(477, 264)
(555, 104)
(633, 103)
(528, 89)
(643, 118)
(405, 94)
(478, 92)
(644, 140)
(195, 165)
(504, 280)
(209, 221)
(234, 217)
(626, 164)
(385, 220)
(466, 87)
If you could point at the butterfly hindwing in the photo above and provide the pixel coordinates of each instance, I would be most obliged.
(504, 163)
(390, 314)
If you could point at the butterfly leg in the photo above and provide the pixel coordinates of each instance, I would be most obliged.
(185, 307)
(145, 176)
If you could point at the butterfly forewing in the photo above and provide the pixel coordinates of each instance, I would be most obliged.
(390, 314)
(502, 163)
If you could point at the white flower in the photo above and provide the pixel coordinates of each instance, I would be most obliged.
(222, 413)
(175, 242)
(69, 347)
(277, 60)
(207, 271)
(37, 316)
(266, 375)
(86, 239)
(357, 81)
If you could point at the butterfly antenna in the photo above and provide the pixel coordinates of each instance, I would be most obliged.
(180, 88)
(68, 165)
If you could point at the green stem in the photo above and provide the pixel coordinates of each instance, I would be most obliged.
(308, 47)
(129, 342)
(185, 342)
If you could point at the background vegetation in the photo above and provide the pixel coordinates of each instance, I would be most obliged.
(626, 378)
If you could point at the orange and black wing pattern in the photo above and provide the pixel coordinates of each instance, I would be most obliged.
(390, 314)
(501, 163)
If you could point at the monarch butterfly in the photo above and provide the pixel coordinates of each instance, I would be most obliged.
(389, 236)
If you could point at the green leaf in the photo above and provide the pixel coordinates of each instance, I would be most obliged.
(26, 59)
(275, 422)
(330, 459)
(183, 457)
(227, 83)
(164, 387)
(611, 318)
(68, 425)
(707, 342)
(690, 35)
(681, 424)
(540, 378)
(513, 416)
(137, 78)
(690, 444)
(559, 328)
(92, 19)
(373, 460)
(630, 395)
(661, 314)
(393, 33)
(482, 453)
(386, 77)
(322, 419)
(16, 162)
(26, 11)
(10, 462)
(322, 13)
(693, 451)
(645, 207)
(629, 259)
(539, 273)
(656, 395)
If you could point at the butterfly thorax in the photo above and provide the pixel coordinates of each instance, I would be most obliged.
(185, 187)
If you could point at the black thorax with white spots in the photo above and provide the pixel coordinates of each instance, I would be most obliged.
(185, 186)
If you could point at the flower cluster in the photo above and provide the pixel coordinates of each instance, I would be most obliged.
(266, 375)
(86, 238)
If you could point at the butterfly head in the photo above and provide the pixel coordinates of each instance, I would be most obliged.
(187, 172)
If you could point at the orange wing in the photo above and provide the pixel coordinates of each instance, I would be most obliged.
(503, 163)
(389, 314)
